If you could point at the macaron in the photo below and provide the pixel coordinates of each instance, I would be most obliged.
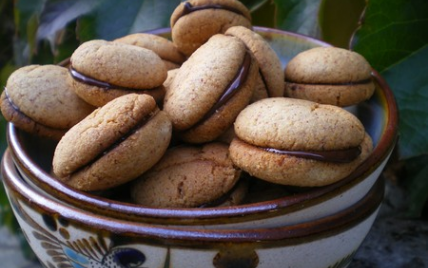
(104, 70)
(270, 81)
(40, 99)
(187, 176)
(329, 75)
(210, 89)
(298, 142)
(113, 145)
(193, 22)
(164, 48)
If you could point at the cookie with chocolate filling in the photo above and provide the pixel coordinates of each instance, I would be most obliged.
(329, 75)
(104, 70)
(298, 142)
(113, 145)
(163, 47)
(270, 81)
(40, 99)
(193, 22)
(188, 176)
(210, 89)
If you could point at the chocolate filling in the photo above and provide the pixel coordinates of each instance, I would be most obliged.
(16, 108)
(232, 88)
(350, 83)
(339, 156)
(94, 82)
(115, 144)
(188, 8)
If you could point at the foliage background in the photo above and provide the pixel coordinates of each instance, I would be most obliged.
(392, 35)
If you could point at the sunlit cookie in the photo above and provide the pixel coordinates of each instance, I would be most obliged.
(193, 22)
(210, 89)
(329, 75)
(188, 176)
(298, 142)
(113, 145)
(270, 81)
(104, 70)
(40, 99)
(163, 47)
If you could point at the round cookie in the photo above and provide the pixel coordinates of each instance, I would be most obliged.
(113, 145)
(193, 22)
(104, 70)
(40, 99)
(210, 89)
(270, 81)
(163, 47)
(298, 142)
(187, 176)
(329, 75)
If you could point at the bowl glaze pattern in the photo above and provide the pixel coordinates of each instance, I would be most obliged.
(65, 236)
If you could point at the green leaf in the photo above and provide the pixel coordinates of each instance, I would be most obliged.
(26, 23)
(338, 20)
(409, 80)
(264, 15)
(24, 11)
(299, 16)
(58, 13)
(392, 31)
(114, 19)
(393, 37)
(253, 5)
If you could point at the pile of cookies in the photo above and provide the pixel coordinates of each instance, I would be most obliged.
(196, 120)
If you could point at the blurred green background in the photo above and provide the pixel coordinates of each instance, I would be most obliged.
(392, 35)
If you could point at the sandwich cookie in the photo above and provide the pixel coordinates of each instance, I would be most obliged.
(210, 89)
(298, 142)
(104, 70)
(164, 48)
(270, 81)
(113, 145)
(188, 176)
(329, 75)
(40, 99)
(193, 22)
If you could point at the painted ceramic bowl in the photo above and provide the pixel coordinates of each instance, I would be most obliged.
(33, 157)
(62, 235)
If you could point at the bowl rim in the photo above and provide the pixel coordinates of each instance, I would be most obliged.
(329, 225)
(232, 213)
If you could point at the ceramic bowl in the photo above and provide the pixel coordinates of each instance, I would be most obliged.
(66, 236)
(33, 157)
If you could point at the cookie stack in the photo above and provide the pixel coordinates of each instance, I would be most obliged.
(195, 121)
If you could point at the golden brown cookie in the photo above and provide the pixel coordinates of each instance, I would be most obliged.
(298, 142)
(193, 22)
(270, 81)
(163, 47)
(105, 70)
(210, 89)
(40, 100)
(114, 144)
(187, 176)
(329, 75)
